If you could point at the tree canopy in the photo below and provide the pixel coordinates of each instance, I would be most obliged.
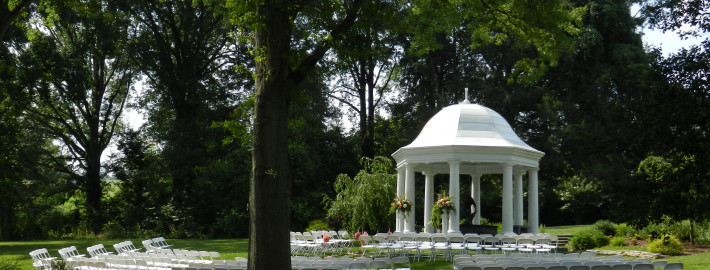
(247, 104)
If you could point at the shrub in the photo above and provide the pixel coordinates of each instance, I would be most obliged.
(606, 227)
(624, 230)
(587, 239)
(317, 225)
(618, 241)
(681, 230)
(9, 265)
(651, 231)
(667, 244)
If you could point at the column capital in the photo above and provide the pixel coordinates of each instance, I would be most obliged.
(428, 173)
(402, 167)
(454, 162)
(534, 170)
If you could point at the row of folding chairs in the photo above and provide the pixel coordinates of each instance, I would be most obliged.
(69, 252)
(343, 263)
(41, 259)
(125, 246)
(314, 244)
(98, 250)
(155, 243)
(447, 245)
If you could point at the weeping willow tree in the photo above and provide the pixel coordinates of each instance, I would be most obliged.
(363, 203)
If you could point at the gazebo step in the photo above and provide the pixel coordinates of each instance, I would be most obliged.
(563, 239)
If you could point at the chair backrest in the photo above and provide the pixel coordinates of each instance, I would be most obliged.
(536, 268)
(644, 266)
(472, 239)
(525, 241)
(148, 244)
(508, 240)
(422, 238)
(622, 267)
(659, 264)
(439, 239)
(579, 267)
(556, 267)
(588, 254)
(358, 265)
(673, 266)
(379, 238)
(491, 240)
(600, 267)
(643, 260)
(456, 239)
(470, 268)
(377, 264)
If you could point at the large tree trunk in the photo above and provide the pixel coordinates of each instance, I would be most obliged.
(270, 183)
(93, 191)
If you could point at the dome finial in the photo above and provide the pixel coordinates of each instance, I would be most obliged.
(465, 97)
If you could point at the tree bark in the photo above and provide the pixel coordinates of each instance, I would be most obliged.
(276, 81)
(270, 182)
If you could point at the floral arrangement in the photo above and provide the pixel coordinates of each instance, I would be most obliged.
(402, 205)
(443, 205)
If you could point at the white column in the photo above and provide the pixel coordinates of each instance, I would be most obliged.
(399, 223)
(409, 194)
(518, 199)
(533, 218)
(428, 200)
(507, 198)
(476, 194)
(454, 191)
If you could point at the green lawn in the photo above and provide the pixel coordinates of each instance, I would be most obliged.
(559, 230)
(229, 248)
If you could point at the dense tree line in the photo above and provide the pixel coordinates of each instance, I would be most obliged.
(241, 119)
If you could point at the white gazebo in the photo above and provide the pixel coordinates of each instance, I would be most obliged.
(469, 139)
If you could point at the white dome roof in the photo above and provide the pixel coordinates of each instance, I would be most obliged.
(468, 125)
(468, 133)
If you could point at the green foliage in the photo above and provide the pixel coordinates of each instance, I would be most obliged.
(581, 196)
(363, 202)
(496, 23)
(317, 225)
(667, 245)
(618, 241)
(498, 225)
(677, 189)
(60, 265)
(608, 228)
(442, 205)
(587, 239)
(9, 265)
(682, 229)
(625, 230)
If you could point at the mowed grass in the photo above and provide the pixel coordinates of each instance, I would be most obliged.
(570, 230)
(231, 248)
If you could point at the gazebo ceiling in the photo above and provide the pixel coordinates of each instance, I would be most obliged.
(476, 136)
